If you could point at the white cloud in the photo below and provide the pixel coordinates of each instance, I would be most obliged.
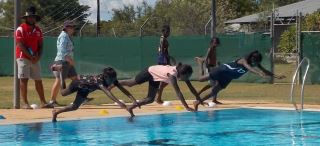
(106, 7)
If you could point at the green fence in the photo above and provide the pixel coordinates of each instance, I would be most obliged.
(6, 56)
(130, 55)
(311, 49)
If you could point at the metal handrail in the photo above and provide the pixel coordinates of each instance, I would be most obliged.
(141, 27)
(205, 27)
(303, 82)
(83, 27)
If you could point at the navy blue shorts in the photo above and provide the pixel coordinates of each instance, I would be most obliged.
(162, 58)
(221, 75)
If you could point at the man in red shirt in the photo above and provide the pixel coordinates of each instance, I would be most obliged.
(29, 40)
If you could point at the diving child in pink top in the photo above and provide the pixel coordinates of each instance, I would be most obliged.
(162, 73)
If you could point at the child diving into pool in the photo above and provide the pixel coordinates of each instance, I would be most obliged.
(87, 84)
(222, 75)
(162, 73)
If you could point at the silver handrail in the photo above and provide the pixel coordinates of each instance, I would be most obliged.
(303, 82)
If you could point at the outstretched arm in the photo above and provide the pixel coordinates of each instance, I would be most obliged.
(270, 73)
(250, 68)
(126, 92)
(193, 91)
(174, 83)
(111, 96)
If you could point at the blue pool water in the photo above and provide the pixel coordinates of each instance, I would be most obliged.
(221, 127)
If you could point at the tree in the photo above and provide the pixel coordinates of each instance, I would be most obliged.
(311, 22)
(53, 12)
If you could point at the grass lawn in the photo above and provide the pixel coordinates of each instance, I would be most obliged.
(235, 91)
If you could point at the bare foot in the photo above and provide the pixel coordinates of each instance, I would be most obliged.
(216, 101)
(205, 103)
(190, 109)
(47, 105)
(130, 111)
(196, 104)
(26, 106)
(199, 60)
(137, 103)
(54, 116)
(159, 101)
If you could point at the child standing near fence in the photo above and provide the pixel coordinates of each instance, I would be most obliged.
(210, 60)
(163, 57)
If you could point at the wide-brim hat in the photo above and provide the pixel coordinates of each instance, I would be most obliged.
(31, 12)
(67, 24)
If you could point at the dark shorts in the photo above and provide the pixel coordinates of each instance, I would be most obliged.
(80, 98)
(68, 70)
(145, 76)
(162, 58)
(81, 93)
(220, 74)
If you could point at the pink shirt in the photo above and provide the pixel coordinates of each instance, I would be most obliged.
(160, 72)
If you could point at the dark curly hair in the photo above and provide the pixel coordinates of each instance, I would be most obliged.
(184, 69)
(109, 72)
(165, 28)
(254, 56)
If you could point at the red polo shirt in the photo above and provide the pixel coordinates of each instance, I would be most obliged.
(30, 37)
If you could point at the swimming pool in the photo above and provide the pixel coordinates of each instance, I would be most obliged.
(220, 127)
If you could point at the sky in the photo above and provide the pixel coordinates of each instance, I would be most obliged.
(106, 7)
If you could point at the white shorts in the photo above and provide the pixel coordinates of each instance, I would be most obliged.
(26, 69)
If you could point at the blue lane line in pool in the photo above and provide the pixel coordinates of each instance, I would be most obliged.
(2, 117)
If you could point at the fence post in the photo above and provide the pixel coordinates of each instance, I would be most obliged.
(273, 45)
(16, 91)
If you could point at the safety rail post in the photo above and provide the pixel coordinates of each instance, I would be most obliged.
(305, 59)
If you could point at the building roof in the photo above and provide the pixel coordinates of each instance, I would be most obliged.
(305, 7)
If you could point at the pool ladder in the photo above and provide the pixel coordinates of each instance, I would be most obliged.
(305, 59)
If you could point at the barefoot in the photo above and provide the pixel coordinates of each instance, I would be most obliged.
(26, 106)
(159, 101)
(130, 111)
(54, 116)
(199, 60)
(190, 109)
(205, 103)
(216, 101)
(130, 119)
(196, 104)
(46, 105)
(137, 103)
